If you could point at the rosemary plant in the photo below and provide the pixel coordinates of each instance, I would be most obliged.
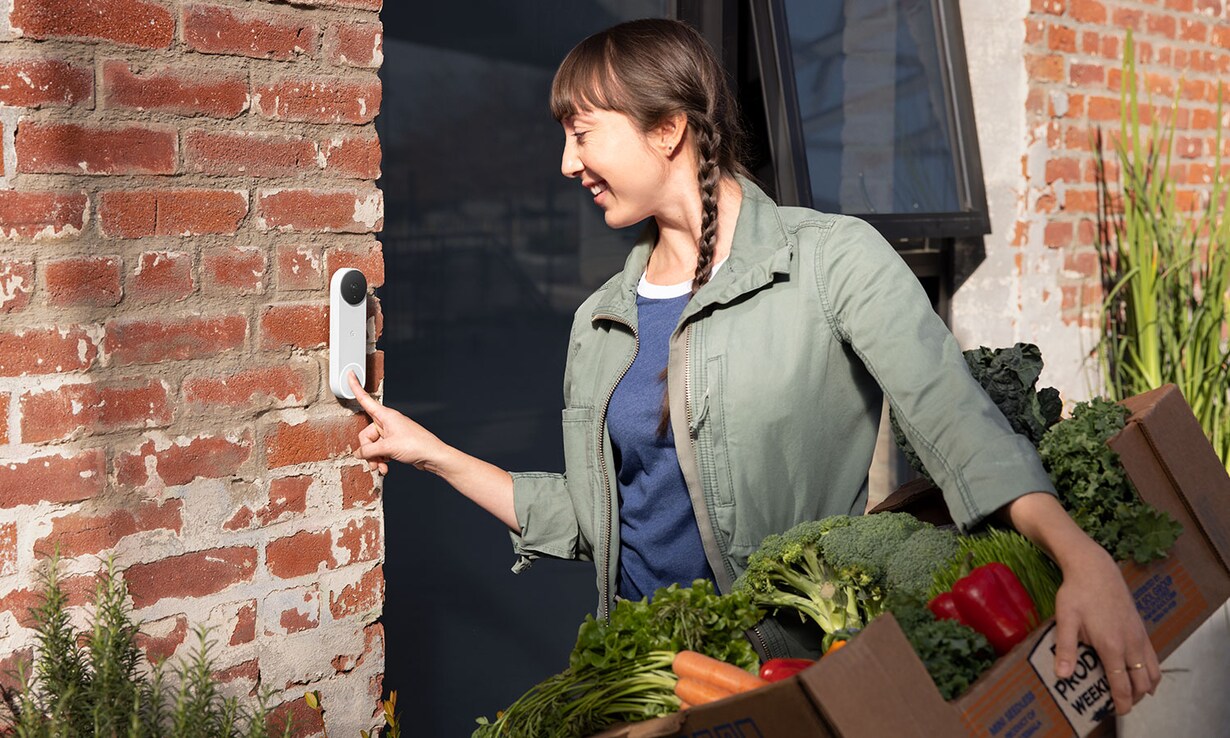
(1165, 273)
(92, 683)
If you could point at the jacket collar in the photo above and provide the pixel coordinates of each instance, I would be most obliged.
(759, 251)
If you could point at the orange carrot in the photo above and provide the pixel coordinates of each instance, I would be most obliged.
(726, 677)
(836, 645)
(695, 692)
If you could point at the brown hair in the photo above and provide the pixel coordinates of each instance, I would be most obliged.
(651, 69)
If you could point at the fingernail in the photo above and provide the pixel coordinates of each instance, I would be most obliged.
(1063, 668)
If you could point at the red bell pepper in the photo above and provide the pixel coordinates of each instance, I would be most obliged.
(775, 670)
(991, 600)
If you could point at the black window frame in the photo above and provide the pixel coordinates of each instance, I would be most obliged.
(718, 21)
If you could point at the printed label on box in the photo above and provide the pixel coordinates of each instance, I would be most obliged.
(1084, 698)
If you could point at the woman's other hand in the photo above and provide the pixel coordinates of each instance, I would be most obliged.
(1093, 604)
(392, 436)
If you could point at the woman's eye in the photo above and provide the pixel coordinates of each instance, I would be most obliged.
(580, 136)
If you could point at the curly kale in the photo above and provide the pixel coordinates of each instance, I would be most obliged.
(955, 655)
(1094, 487)
(835, 571)
(1009, 376)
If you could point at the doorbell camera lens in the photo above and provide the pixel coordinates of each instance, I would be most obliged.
(354, 287)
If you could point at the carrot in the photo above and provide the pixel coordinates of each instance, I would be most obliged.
(684, 705)
(726, 677)
(695, 692)
(836, 645)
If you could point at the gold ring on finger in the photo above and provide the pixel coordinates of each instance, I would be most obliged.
(1134, 667)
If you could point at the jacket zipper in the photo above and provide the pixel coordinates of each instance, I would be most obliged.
(687, 406)
(605, 612)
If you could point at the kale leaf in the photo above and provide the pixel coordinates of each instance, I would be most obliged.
(1095, 489)
(1009, 376)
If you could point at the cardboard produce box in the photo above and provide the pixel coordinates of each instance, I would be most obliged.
(877, 687)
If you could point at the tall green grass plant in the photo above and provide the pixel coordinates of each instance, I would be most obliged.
(1165, 273)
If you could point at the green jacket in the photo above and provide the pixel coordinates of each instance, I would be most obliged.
(776, 378)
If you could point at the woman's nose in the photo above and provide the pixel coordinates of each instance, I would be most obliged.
(570, 164)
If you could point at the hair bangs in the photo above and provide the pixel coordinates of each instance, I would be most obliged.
(586, 81)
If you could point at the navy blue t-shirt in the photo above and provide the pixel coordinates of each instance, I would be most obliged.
(659, 540)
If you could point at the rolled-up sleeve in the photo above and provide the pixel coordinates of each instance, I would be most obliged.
(875, 303)
(547, 519)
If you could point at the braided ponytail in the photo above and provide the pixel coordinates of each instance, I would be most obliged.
(708, 142)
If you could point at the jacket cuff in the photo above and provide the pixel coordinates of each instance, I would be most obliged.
(545, 515)
(1000, 472)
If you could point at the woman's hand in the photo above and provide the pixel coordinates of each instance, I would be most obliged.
(1093, 603)
(392, 436)
(1095, 606)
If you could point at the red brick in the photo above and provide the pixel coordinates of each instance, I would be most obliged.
(1035, 31)
(300, 554)
(218, 29)
(129, 22)
(1062, 169)
(187, 212)
(8, 549)
(287, 497)
(1061, 38)
(1086, 75)
(234, 270)
(304, 722)
(1182, 5)
(361, 540)
(54, 478)
(1057, 234)
(1110, 46)
(253, 388)
(1087, 11)
(1127, 18)
(161, 275)
(1080, 201)
(364, 596)
(300, 326)
(39, 83)
(332, 211)
(245, 624)
(358, 487)
(209, 457)
(1084, 262)
(1053, 7)
(369, 260)
(297, 620)
(1161, 25)
(249, 671)
(89, 281)
(13, 663)
(80, 534)
(183, 90)
(161, 638)
(300, 267)
(1085, 232)
(61, 413)
(312, 440)
(355, 44)
(1189, 148)
(1103, 108)
(375, 371)
(135, 341)
(1193, 30)
(319, 100)
(38, 215)
(46, 351)
(1210, 7)
(190, 575)
(1159, 84)
(16, 284)
(357, 157)
(1047, 68)
(1221, 36)
(69, 148)
(375, 313)
(247, 153)
(1045, 203)
(20, 602)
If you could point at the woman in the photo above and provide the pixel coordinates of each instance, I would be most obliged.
(728, 383)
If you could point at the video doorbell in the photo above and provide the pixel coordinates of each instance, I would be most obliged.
(347, 330)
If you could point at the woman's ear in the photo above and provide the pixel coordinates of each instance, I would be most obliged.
(668, 135)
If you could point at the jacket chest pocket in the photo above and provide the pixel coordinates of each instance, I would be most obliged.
(579, 455)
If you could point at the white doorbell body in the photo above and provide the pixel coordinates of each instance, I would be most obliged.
(347, 330)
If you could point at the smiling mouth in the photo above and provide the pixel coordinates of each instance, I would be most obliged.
(597, 188)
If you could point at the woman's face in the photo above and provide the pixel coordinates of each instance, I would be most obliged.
(616, 163)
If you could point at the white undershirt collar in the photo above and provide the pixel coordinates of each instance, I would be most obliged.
(652, 291)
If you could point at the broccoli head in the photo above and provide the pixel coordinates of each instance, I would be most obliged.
(913, 567)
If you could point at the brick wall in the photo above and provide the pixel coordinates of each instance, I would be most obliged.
(1073, 53)
(177, 182)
